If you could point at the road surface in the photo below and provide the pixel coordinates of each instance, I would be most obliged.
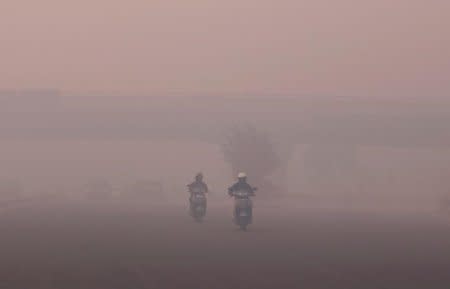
(139, 244)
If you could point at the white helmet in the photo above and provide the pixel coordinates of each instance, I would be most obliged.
(242, 175)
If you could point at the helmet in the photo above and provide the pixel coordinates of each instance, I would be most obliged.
(242, 175)
(199, 176)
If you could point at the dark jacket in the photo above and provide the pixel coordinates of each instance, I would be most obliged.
(244, 186)
(199, 184)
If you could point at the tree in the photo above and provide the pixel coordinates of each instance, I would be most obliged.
(250, 150)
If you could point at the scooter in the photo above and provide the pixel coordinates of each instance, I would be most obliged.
(198, 205)
(243, 208)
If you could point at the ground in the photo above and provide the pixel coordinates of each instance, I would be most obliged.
(114, 244)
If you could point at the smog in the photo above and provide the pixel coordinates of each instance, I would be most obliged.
(224, 144)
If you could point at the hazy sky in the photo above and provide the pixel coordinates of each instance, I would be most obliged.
(335, 47)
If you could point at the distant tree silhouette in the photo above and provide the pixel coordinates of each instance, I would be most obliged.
(250, 150)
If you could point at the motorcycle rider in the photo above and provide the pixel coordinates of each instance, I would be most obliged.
(241, 185)
(199, 184)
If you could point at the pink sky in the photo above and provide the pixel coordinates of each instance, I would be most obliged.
(320, 47)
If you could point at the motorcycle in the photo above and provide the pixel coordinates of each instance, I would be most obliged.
(197, 204)
(243, 208)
